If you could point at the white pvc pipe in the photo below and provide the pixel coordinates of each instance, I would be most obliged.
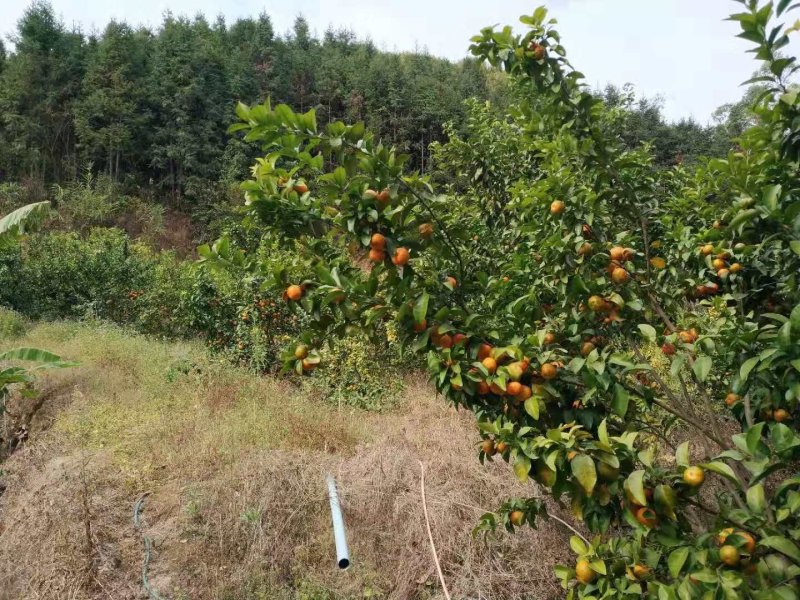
(342, 553)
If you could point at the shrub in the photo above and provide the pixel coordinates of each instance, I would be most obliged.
(12, 324)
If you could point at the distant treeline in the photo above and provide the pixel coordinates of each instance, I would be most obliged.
(152, 107)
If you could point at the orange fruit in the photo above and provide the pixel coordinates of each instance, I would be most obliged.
(301, 352)
(483, 388)
(549, 338)
(646, 516)
(723, 273)
(459, 338)
(583, 572)
(735, 267)
(525, 392)
(501, 447)
(484, 350)
(597, 303)
(488, 447)
(781, 415)
(586, 348)
(585, 249)
(619, 275)
(557, 207)
(731, 399)
(294, 292)
(694, 476)
(451, 280)
(749, 540)
(401, 256)
(658, 263)
(376, 255)
(308, 366)
(628, 253)
(549, 371)
(383, 196)
(300, 187)
(496, 389)
(421, 326)
(571, 454)
(513, 388)
(706, 250)
(617, 253)
(370, 194)
(718, 264)
(490, 364)
(710, 288)
(426, 230)
(668, 349)
(445, 341)
(729, 555)
(716, 225)
(517, 517)
(377, 241)
(640, 571)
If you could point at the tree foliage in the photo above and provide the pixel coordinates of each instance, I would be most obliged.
(151, 107)
(608, 322)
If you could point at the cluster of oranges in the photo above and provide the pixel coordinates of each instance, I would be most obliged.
(381, 197)
(606, 309)
(377, 252)
(720, 261)
(618, 256)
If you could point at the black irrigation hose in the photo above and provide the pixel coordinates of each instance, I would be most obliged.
(148, 547)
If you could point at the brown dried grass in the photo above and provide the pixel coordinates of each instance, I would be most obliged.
(235, 465)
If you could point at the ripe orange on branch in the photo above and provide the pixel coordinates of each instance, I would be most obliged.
(401, 257)
(294, 292)
(377, 241)
(557, 207)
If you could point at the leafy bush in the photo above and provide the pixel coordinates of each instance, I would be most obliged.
(360, 372)
(12, 324)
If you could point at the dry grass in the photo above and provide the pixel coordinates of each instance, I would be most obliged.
(234, 465)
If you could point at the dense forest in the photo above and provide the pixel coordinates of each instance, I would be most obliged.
(150, 108)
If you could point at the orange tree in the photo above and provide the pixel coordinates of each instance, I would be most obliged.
(595, 314)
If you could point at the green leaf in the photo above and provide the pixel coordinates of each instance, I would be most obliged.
(682, 455)
(621, 400)
(720, 468)
(522, 466)
(578, 546)
(31, 354)
(584, 471)
(648, 332)
(795, 246)
(676, 560)
(702, 367)
(782, 545)
(635, 485)
(532, 407)
(665, 500)
(755, 498)
(746, 367)
(15, 222)
(421, 308)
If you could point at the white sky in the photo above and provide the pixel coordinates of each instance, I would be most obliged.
(680, 49)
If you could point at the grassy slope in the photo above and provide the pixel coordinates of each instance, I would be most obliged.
(234, 465)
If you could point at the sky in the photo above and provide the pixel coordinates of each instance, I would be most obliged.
(681, 50)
